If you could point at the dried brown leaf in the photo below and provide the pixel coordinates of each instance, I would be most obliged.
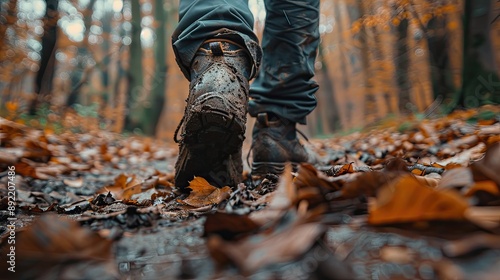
(488, 168)
(260, 250)
(76, 183)
(395, 254)
(408, 200)
(471, 244)
(203, 194)
(53, 246)
(456, 178)
(229, 226)
(486, 217)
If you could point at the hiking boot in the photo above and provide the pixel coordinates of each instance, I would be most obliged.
(274, 144)
(213, 125)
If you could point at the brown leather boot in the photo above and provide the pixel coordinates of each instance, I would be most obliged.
(274, 143)
(215, 116)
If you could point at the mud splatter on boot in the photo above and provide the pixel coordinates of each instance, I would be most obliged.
(213, 125)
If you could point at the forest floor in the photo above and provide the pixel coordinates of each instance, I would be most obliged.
(418, 199)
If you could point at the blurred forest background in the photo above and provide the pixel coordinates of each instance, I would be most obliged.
(108, 64)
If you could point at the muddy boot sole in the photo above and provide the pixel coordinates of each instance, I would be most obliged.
(212, 143)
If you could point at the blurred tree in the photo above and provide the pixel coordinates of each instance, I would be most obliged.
(148, 115)
(441, 73)
(159, 80)
(402, 65)
(328, 120)
(45, 76)
(7, 17)
(134, 75)
(480, 81)
(79, 75)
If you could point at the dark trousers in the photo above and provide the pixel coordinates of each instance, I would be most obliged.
(284, 84)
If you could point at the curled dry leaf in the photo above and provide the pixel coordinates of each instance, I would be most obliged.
(280, 200)
(408, 200)
(396, 164)
(471, 244)
(456, 178)
(488, 168)
(43, 173)
(124, 187)
(228, 226)
(203, 194)
(311, 185)
(464, 158)
(486, 217)
(76, 183)
(260, 250)
(308, 176)
(54, 247)
(486, 186)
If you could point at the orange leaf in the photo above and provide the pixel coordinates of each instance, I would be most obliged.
(407, 200)
(203, 194)
(124, 187)
(487, 186)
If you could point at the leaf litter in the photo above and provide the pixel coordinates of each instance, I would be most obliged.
(396, 204)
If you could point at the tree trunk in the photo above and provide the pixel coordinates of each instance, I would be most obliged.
(332, 113)
(9, 18)
(78, 75)
(45, 75)
(158, 95)
(342, 62)
(441, 75)
(480, 81)
(369, 102)
(402, 63)
(134, 75)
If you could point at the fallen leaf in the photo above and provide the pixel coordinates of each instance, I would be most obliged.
(396, 164)
(10, 155)
(30, 171)
(61, 248)
(124, 187)
(367, 184)
(228, 226)
(203, 194)
(487, 186)
(489, 166)
(469, 244)
(260, 250)
(407, 200)
(395, 254)
(76, 183)
(280, 200)
(456, 178)
(464, 158)
(486, 217)
(447, 270)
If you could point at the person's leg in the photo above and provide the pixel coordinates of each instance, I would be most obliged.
(218, 52)
(290, 42)
(283, 92)
(200, 20)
